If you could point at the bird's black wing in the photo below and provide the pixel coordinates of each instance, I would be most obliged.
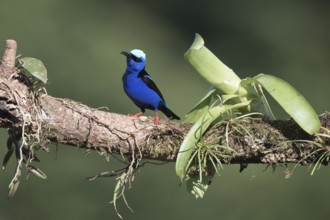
(148, 81)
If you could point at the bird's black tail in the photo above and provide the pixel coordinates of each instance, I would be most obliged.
(171, 115)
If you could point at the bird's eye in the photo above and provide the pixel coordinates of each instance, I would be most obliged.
(136, 59)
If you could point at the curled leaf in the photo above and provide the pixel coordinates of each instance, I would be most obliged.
(211, 68)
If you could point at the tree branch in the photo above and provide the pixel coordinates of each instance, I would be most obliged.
(49, 119)
(8, 60)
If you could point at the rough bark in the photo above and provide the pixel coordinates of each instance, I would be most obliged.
(48, 119)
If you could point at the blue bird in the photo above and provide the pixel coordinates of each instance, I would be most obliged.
(140, 88)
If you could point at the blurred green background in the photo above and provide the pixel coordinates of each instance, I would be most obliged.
(80, 43)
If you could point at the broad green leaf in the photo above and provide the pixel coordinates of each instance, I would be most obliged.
(34, 68)
(196, 132)
(200, 108)
(291, 101)
(211, 68)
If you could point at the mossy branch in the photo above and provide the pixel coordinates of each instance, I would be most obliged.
(49, 119)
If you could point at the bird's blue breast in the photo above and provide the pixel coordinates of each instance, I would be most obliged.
(139, 92)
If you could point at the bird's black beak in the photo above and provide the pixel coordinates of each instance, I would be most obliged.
(128, 55)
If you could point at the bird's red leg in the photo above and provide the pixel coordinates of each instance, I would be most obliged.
(136, 115)
(156, 121)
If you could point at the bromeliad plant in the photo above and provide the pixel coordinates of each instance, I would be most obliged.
(235, 97)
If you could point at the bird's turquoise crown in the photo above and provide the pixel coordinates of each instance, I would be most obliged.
(138, 53)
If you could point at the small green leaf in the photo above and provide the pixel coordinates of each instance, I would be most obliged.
(200, 108)
(197, 187)
(33, 67)
(291, 101)
(196, 132)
